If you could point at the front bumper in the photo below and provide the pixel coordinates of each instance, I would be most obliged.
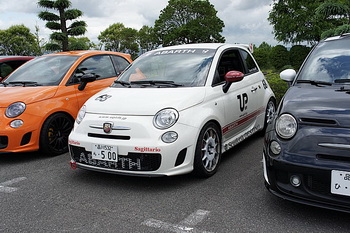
(22, 139)
(141, 152)
(313, 167)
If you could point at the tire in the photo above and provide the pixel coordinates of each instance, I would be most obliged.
(269, 113)
(54, 134)
(208, 151)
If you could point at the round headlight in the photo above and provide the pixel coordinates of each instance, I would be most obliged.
(81, 114)
(286, 126)
(15, 109)
(165, 118)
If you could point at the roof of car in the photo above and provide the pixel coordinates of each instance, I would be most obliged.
(83, 52)
(343, 36)
(7, 58)
(204, 46)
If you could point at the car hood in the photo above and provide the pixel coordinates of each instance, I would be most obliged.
(143, 101)
(26, 95)
(325, 105)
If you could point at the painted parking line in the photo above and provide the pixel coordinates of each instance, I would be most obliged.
(4, 187)
(185, 226)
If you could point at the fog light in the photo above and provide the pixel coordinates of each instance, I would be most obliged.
(275, 148)
(295, 180)
(16, 123)
(169, 137)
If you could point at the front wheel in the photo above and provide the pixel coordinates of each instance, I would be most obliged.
(54, 134)
(208, 151)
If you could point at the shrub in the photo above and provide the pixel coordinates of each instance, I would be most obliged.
(278, 86)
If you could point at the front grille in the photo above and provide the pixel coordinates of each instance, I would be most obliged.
(319, 121)
(130, 162)
(117, 137)
(3, 142)
(318, 185)
(334, 158)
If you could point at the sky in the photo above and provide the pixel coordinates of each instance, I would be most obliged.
(245, 20)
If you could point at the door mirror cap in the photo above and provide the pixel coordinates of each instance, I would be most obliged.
(288, 75)
(86, 78)
(232, 77)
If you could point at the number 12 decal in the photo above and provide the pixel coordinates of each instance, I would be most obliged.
(243, 101)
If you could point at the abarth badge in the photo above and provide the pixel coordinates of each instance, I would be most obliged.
(107, 127)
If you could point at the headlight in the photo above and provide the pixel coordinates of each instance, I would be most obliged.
(15, 109)
(81, 114)
(165, 118)
(286, 126)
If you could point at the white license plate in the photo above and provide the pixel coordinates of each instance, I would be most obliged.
(340, 183)
(105, 152)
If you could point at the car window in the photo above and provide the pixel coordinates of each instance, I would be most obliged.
(100, 65)
(5, 70)
(249, 61)
(328, 62)
(44, 71)
(120, 63)
(185, 67)
(229, 61)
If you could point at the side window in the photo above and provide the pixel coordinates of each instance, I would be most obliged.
(229, 61)
(5, 70)
(100, 65)
(120, 63)
(251, 65)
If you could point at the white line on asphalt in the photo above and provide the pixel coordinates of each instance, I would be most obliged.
(4, 186)
(185, 226)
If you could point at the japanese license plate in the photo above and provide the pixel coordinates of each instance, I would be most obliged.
(340, 182)
(104, 152)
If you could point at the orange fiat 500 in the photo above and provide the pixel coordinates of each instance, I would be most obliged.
(40, 100)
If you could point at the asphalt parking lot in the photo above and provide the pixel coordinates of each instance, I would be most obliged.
(43, 194)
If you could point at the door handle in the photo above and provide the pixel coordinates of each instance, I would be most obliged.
(253, 90)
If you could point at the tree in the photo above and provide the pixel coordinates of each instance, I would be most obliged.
(295, 21)
(81, 43)
(58, 23)
(147, 39)
(188, 21)
(337, 12)
(119, 38)
(262, 54)
(18, 40)
(298, 54)
(279, 57)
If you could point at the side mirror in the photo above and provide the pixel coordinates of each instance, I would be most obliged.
(232, 77)
(1, 78)
(288, 75)
(86, 78)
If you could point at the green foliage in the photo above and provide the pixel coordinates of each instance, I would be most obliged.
(188, 21)
(296, 21)
(262, 55)
(18, 40)
(298, 53)
(278, 86)
(81, 43)
(119, 38)
(279, 57)
(58, 23)
(147, 39)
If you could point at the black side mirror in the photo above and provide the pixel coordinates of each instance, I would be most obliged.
(232, 77)
(86, 78)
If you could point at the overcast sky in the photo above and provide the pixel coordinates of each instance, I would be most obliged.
(245, 20)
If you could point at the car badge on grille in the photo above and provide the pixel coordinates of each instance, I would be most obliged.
(103, 97)
(107, 127)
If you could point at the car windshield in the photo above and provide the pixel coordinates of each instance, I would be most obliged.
(168, 68)
(329, 63)
(42, 71)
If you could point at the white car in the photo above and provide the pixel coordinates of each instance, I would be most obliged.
(173, 111)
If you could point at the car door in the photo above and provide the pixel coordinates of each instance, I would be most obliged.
(239, 102)
(103, 67)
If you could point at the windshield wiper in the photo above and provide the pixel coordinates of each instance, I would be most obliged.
(4, 84)
(24, 83)
(342, 81)
(315, 83)
(123, 83)
(157, 83)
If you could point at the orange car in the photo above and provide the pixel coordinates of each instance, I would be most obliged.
(40, 100)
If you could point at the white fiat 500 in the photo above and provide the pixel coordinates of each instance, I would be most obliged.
(173, 111)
